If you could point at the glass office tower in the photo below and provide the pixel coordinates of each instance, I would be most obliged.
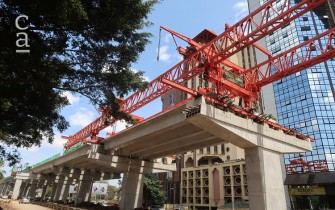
(305, 102)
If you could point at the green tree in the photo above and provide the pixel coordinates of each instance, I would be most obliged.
(152, 191)
(2, 172)
(112, 190)
(84, 47)
(49, 191)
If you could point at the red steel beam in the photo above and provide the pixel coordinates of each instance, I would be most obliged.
(292, 61)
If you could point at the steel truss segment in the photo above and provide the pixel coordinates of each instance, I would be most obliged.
(210, 52)
(304, 55)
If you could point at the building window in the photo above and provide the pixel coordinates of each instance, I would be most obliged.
(215, 149)
(306, 38)
(222, 148)
(305, 28)
(305, 18)
(275, 50)
(208, 150)
(172, 99)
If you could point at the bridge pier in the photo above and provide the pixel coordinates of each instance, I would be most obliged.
(58, 188)
(32, 189)
(84, 186)
(3, 185)
(4, 189)
(17, 187)
(132, 188)
(265, 179)
(47, 182)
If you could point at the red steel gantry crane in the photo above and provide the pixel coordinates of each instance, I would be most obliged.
(228, 80)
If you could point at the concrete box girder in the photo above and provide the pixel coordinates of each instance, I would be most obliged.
(172, 133)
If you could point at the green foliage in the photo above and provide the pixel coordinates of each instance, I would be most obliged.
(49, 191)
(2, 172)
(112, 191)
(84, 47)
(270, 116)
(152, 191)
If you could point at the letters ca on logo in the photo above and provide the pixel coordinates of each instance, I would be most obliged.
(22, 37)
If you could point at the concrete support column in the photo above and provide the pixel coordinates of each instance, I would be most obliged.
(132, 188)
(52, 196)
(84, 186)
(48, 182)
(22, 190)
(265, 179)
(65, 189)
(17, 187)
(44, 190)
(32, 189)
(4, 188)
(26, 189)
(3, 185)
(58, 188)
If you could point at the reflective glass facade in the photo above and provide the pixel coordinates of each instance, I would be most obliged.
(305, 100)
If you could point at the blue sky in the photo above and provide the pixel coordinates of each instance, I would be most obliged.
(188, 17)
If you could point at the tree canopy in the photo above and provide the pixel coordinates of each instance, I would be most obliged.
(84, 47)
(152, 191)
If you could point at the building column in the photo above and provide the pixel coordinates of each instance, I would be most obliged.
(17, 187)
(84, 186)
(265, 179)
(132, 188)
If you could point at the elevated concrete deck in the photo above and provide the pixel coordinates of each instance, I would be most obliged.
(93, 158)
(175, 132)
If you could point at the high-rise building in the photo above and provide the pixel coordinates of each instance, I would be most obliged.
(305, 102)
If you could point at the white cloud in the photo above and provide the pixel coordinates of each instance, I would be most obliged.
(70, 97)
(241, 9)
(179, 57)
(167, 38)
(82, 117)
(146, 78)
(117, 127)
(57, 144)
(163, 53)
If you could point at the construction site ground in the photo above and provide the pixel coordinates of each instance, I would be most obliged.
(14, 205)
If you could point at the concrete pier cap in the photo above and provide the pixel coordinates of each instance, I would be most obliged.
(263, 147)
(243, 132)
